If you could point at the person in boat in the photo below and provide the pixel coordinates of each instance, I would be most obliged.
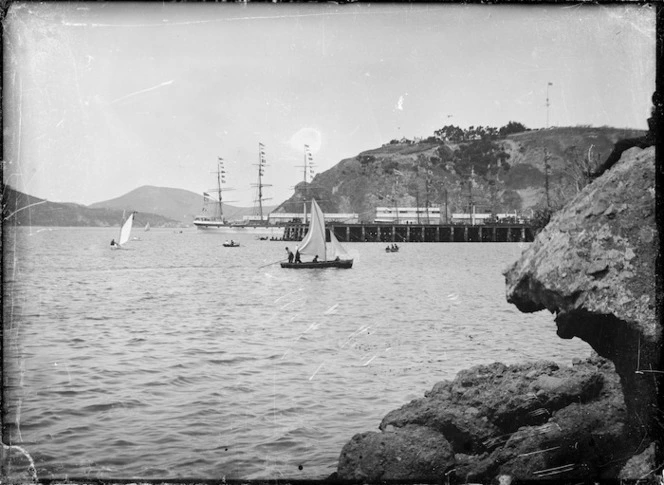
(290, 255)
(297, 256)
(226, 242)
(315, 259)
(337, 258)
(232, 243)
(113, 243)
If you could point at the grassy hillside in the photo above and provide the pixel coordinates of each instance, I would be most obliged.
(178, 204)
(24, 210)
(501, 175)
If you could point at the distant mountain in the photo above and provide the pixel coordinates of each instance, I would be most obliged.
(178, 204)
(24, 210)
(489, 169)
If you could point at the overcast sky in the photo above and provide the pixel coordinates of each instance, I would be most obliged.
(101, 98)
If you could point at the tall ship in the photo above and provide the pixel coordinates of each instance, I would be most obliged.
(212, 216)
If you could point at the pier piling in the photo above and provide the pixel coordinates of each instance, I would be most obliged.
(399, 233)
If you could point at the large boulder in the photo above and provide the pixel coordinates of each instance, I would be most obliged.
(491, 418)
(594, 267)
(414, 453)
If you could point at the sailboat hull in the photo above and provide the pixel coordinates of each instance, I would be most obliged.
(341, 264)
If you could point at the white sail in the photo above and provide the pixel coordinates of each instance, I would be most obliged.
(147, 227)
(335, 249)
(313, 242)
(125, 232)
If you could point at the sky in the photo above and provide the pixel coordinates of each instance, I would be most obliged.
(102, 98)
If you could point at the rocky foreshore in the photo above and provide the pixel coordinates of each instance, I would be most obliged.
(524, 421)
(593, 266)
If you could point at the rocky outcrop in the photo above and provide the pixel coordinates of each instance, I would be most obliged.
(525, 421)
(594, 267)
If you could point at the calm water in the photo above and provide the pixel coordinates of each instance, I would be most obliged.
(179, 358)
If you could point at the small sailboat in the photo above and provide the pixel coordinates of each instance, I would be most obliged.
(325, 255)
(125, 232)
(147, 227)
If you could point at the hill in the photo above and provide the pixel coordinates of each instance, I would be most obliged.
(178, 204)
(24, 210)
(494, 171)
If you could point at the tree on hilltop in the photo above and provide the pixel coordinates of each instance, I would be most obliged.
(511, 127)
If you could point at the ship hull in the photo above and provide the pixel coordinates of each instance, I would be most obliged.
(221, 228)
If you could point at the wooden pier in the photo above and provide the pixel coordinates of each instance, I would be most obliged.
(388, 233)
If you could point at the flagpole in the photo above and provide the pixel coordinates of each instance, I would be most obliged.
(547, 103)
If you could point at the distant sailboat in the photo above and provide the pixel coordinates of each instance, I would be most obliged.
(147, 227)
(326, 255)
(125, 232)
(213, 208)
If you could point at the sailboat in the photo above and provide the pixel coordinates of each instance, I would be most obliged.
(326, 255)
(125, 232)
(147, 227)
(213, 210)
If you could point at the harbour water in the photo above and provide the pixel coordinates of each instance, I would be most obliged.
(179, 358)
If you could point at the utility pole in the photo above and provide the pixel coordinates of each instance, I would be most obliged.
(470, 201)
(427, 183)
(547, 103)
(546, 177)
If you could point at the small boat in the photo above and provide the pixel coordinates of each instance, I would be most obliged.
(392, 249)
(231, 244)
(326, 255)
(125, 232)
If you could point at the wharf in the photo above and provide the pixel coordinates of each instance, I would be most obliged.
(387, 233)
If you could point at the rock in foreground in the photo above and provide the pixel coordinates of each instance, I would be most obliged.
(594, 266)
(527, 421)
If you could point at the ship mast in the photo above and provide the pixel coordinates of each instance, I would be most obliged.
(262, 163)
(308, 164)
(221, 178)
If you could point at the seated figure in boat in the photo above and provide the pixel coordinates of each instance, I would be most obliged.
(315, 259)
(297, 256)
(114, 244)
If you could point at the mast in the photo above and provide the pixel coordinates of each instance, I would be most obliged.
(262, 163)
(308, 164)
(221, 178)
